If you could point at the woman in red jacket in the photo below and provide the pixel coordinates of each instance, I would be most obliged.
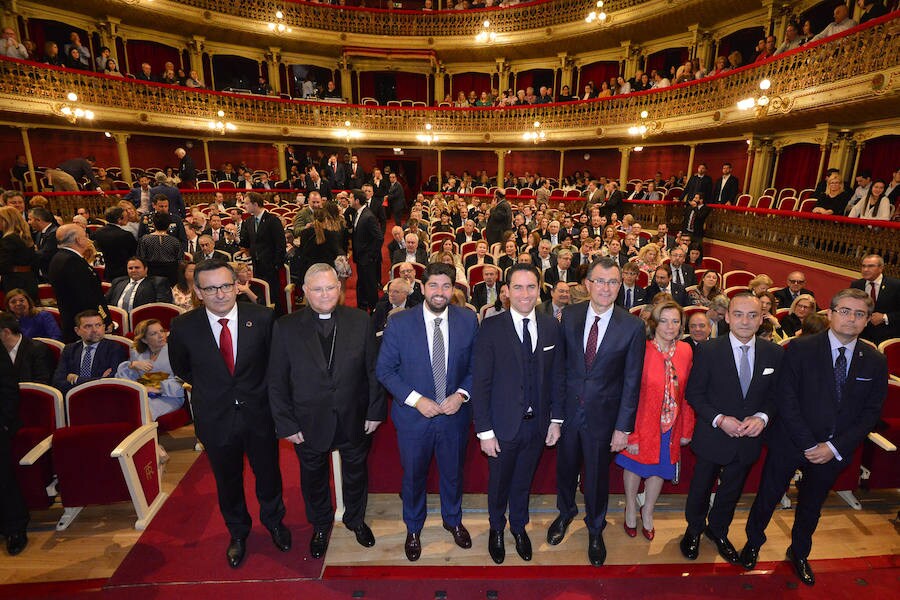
(664, 420)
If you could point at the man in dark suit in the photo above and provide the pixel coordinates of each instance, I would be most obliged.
(407, 272)
(165, 188)
(699, 329)
(885, 292)
(187, 172)
(31, 360)
(726, 188)
(43, 231)
(137, 288)
(468, 234)
(356, 176)
(516, 358)
(411, 252)
(230, 400)
(75, 282)
(695, 215)
(662, 282)
(796, 281)
(327, 397)
(699, 183)
(91, 357)
(682, 273)
(263, 238)
(380, 187)
(396, 299)
(115, 242)
(376, 205)
(604, 356)
(732, 392)
(487, 291)
(630, 293)
(367, 238)
(13, 510)
(230, 241)
(500, 219)
(824, 417)
(639, 193)
(613, 202)
(563, 271)
(316, 183)
(395, 199)
(425, 364)
(594, 194)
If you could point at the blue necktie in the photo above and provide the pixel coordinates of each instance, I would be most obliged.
(86, 362)
(627, 298)
(438, 368)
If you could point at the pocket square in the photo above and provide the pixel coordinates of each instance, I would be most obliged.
(546, 348)
(864, 379)
(768, 371)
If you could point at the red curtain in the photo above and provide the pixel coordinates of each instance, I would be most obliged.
(457, 161)
(256, 156)
(596, 72)
(713, 155)
(744, 41)
(44, 30)
(146, 151)
(534, 78)
(881, 156)
(671, 160)
(141, 51)
(662, 60)
(600, 162)
(797, 166)
(545, 162)
(466, 82)
(408, 86)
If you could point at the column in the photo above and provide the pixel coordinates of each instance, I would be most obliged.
(775, 168)
(859, 149)
(108, 31)
(562, 156)
(124, 163)
(690, 167)
(823, 148)
(280, 149)
(705, 49)
(195, 48)
(427, 89)
(762, 167)
(749, 165)
(567, 64)
(438, 86)
(625, 151)
(632, 58)
(26, 143)
(501, 166)
(439, 167)
(206, 158)
(346, 80)
(273, 61)
(841, 157)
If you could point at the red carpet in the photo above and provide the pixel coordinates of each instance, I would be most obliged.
(186, 541)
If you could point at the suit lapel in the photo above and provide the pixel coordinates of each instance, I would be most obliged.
(611, 331)
(513, 335)
(577, 330)
(829, 361)
(731, 367)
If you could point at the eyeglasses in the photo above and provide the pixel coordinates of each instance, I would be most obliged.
(212, 290)
(857, 314)
(797, 281)
(607, 282)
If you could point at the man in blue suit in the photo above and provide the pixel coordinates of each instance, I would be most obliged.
(89, 358)
(425, 364)
(604, 357)
(516, 358)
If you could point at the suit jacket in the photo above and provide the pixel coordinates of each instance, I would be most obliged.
(714, 388)
(355, 180)
(45, 248)
(613, 204)
(698, 185)
(471, 261)
(77, 288)
(379, 190)
(809, 411)
(499, 222)
(117, 246)
(195, 358)
(638, 296)
(107, 356)
(888, 303)
(609, 402)
(395, 195)
(678, 294)
(505, 262)
(324, 187)
(498, 369)
(9, 398)
(399, 256)
(34, 362)
(551, 275)
(176, 201)
(479, 294)
(728, 195)
(308, 397)
(700, 213)
(367, 239)
(186, 169)
(151, 289)
(461, 237)
(404, 364)
(784, 296)
(546, 307)
(380, 315)
(687, 274)
(134, 196)
(266, 244)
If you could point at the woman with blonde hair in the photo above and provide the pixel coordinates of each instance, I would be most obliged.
(649, 258)
(148, 364)
(760, 284)
(802, 306)
(17, 254)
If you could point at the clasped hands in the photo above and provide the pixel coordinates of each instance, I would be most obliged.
(369, 427)
(751, 426)
(72, 378)
(450, 406)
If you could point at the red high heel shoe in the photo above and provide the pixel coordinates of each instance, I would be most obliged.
(630, 531)
(648, 533)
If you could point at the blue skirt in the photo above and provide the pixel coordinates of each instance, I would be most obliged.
(665, 468)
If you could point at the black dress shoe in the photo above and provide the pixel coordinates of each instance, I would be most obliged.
(413, 546)
(237, 549)
(16, 542)
(557, 530)
(726, 550)
(801, 567)
(596, 550)
(495, 546)
(281, 537)
(460, 535)
(364, 535)
(690, 545)
(523, 544)
(319, 542)
(749, 556)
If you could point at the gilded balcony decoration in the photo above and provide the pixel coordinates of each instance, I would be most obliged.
(810, 74)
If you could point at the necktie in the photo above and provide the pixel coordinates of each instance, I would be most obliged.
(491, 295)
(526, 338)
(590, 351)
(125, 300)
(438, 369)
(628, 298)
(840, 373)
(192, 247)
(678, 279)
(85, 371)
(744, 373)
(226, 347)
(872, 291)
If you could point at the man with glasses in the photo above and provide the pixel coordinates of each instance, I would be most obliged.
(831, 391)
(884, 322)
(222, 350)
(604, 356)
(796, 282)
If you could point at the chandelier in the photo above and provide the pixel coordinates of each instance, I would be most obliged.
(279, 26)
(597, 17)
(486, 36)
(428, 136)
(347, 133)
(70, 110)
(536, 135)
(760, 102)
(219, 125)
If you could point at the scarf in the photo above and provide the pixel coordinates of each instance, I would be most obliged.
(669, 405)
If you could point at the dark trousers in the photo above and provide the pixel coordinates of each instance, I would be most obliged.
(13, 510)
(813, 489)
(368, 281)
(578, 444)
(260, 446)
(697, 511)
(397, 207)
(315, 478)
(444, 438)
(511, 474)
(276, 290)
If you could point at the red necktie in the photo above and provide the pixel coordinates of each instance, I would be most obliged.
(590, 350)
(872, 291)
(226, 348)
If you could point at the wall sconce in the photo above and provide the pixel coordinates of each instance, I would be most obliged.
(71, 111)
(219, 125)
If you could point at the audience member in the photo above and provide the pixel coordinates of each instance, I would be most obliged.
(89, 358)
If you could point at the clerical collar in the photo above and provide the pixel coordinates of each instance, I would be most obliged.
(324, 316)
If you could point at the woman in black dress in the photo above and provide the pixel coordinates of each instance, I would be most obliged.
(17, 255)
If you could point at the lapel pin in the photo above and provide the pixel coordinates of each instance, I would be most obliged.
(248, 324)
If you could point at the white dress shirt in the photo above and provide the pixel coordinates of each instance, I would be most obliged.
(15, 350)
(429, 333)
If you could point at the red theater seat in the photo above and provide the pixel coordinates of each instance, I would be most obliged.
(42, 412)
